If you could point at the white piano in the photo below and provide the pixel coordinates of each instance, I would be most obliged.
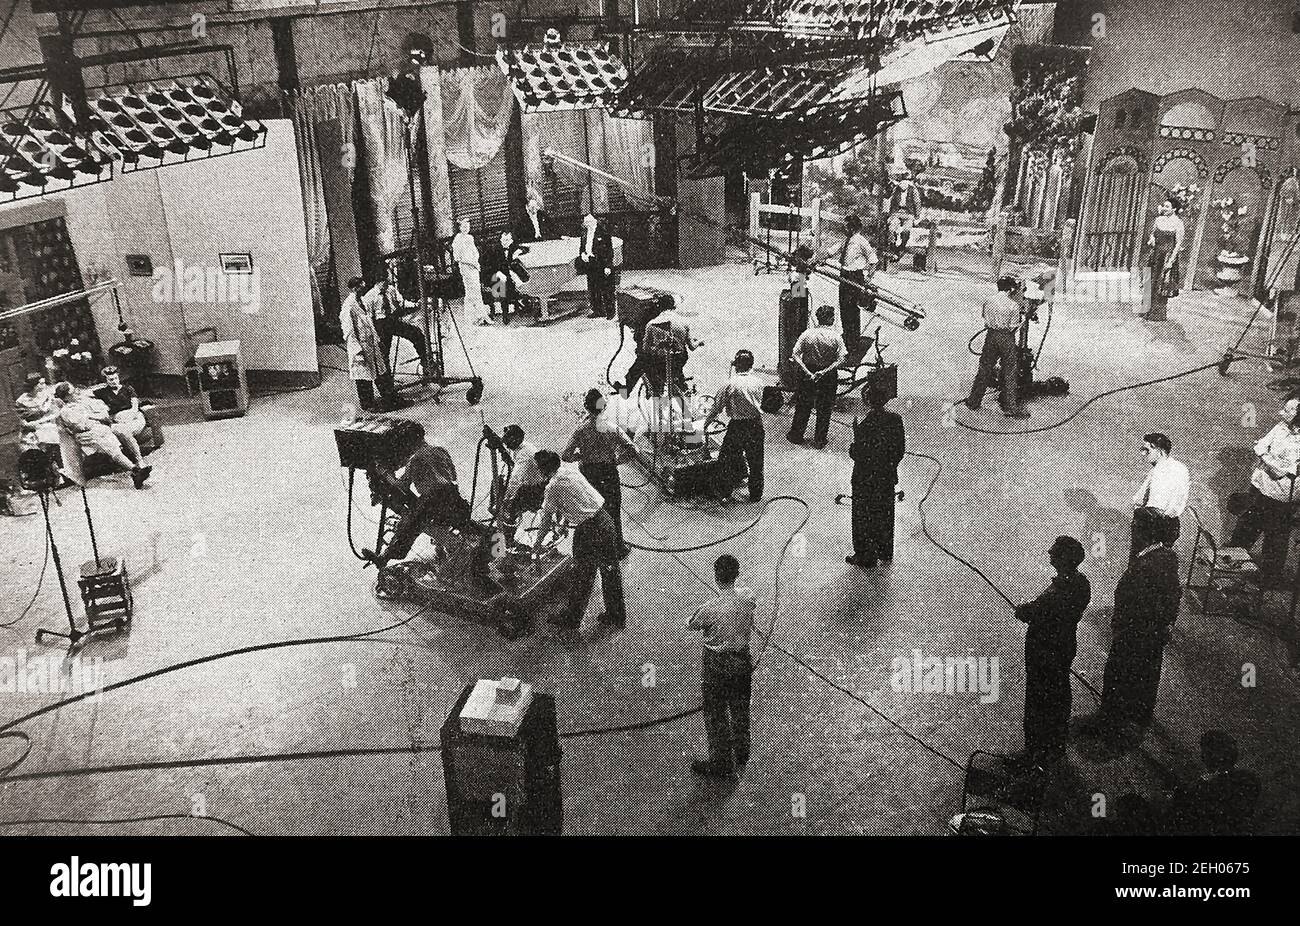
(551, 266)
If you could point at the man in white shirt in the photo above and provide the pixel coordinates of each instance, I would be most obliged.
(1164, 491)
(742, 446)
(857, 265)
(536, 225)
(570, 497)
(818, 354)
(726, 677)
(1002, 316)
(464, 251)
(525, 488)
(1271, 495)
(367, 362)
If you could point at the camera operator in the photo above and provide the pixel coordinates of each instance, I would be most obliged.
(1002, 316)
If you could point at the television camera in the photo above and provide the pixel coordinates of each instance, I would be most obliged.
(477, 569)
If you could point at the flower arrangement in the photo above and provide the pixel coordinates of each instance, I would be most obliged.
(73, 363)
(1185, 196)
(1230, 216)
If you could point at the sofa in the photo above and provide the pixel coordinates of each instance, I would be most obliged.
(81, 465)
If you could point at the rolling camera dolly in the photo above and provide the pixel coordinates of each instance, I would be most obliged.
(475, 573)
(673, 448)
(508, 594)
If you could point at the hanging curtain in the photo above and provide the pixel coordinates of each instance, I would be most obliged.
(436, 143)
(476, 107)
(594, 130)
(629, 155)
(530, 125)
(316, 218)
(383, 133)
(325, 119)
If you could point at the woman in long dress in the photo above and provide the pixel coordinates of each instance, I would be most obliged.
(1166, 244)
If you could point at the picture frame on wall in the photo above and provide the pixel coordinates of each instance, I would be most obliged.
(236, 263)
(139, 265)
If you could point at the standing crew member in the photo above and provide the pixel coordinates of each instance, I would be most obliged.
(818, 354)
(878, 447)
(857, 265)
(1272, 493)
(727, 670)
(595, 545)
(598, 446)
(742, 445)
(597, 258)
(1146, 605)
(1002, 320)
(1164, 491)
(367, 362)
(1050, 646)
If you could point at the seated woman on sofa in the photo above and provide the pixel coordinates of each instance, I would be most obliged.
(121, 401)
(86, 419)
(35, 407)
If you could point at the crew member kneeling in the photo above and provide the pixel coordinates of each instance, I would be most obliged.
(595, 544)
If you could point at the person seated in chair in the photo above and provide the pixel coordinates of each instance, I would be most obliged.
(436, 506)
(81, 416)
(505, 272)
(122, 402)
(35, 408)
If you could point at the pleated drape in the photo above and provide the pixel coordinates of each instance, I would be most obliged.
(435, 136)
(383, 136)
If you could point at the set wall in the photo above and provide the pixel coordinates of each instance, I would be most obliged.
(1229, 48)
(250, 202)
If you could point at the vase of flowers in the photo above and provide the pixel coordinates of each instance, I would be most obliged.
(73, 363)
(1232, 263)
(1187, 198)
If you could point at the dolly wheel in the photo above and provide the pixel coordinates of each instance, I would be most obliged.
(512, 622)
(390, 584)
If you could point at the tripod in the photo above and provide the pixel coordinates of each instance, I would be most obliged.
(435, 370)
(74, 634)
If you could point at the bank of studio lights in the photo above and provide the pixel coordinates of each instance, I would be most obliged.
(138, 126)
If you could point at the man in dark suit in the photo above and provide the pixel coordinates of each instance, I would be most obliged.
(505, 271)
(536, 224)
(1050, 646)
(1147, 600)
(597, 260)
(878, 446)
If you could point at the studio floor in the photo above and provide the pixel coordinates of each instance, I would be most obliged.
(240, 541)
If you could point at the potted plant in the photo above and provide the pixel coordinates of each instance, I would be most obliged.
(1231, 261)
